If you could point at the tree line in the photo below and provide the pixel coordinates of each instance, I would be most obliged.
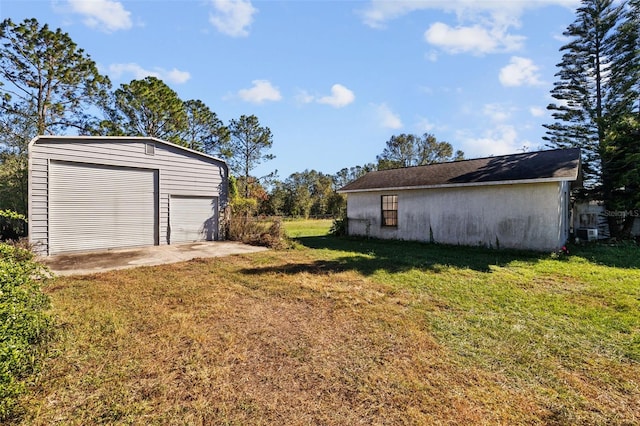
(313, 193)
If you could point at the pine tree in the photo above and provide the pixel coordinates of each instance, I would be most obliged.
(633, 17)
(46, 79)
(204, 130)
(625, 57)
(146, 107)
(247, 147)
(621, 151)
(621, 173)
(48, 85)
(587, 90)
(597, 92)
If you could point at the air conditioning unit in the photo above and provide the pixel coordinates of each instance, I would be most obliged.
(587, 234)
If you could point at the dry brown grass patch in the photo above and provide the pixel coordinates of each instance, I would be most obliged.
(204, 342)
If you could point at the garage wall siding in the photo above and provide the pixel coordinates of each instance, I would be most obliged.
(180, 172)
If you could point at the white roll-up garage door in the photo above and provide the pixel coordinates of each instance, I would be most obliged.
(193, 219)
(95, 207)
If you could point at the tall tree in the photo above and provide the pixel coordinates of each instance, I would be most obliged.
(625, 59)
(412, 150)
(321, 193)
(621, 174)
(146, 107)
(597, 92)
(299, 194)
(400, 151)
(45, 74)
(204, 130)
(275, 204)
(305, 193)
(620, 154)
(13, 183)
(346, 175)
(591, 77)
(308, 193)
(47, 86)
(632, 29)
(431, 151)
(247, 147)
(15, 132)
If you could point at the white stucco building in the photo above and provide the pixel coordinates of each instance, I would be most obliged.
(513, 201)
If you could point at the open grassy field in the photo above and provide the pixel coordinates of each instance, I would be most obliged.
(297, 228)
(343, 332)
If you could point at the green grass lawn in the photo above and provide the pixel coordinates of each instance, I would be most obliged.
(345, 331)
(296, 228)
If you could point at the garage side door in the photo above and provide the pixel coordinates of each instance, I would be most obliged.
(193, 219)
(95, 207)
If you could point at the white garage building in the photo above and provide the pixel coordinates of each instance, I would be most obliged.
(94, 193)
(517, 201)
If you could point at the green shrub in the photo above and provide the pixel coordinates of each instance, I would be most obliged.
(12, 225)
(24, 322)
(339, 227)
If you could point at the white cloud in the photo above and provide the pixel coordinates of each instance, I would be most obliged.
(261, 91)
(340, 97)
(497, 112)
(520, 72)
(424, 125)
(387, 118)
(303, 97)
(379, 12)
(138, 72)
(474, 39)
(500, 140)
(176, 76)
(482, 26)
(232, 17)
(107, 15)
(537, 111)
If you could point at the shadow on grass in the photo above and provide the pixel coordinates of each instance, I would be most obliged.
(621, 255)
(370, 255)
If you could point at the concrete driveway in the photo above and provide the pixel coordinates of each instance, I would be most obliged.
(107, 260)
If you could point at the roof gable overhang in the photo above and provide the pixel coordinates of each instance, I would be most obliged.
(116, 139)
(457, 185)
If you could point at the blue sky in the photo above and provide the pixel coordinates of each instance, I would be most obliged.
(334, 80)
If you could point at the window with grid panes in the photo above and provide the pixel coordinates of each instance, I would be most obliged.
(390, 210)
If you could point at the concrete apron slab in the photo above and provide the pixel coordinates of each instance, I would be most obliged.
(108, 260)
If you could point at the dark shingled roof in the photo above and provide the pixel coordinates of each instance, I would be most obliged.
(553, 165)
